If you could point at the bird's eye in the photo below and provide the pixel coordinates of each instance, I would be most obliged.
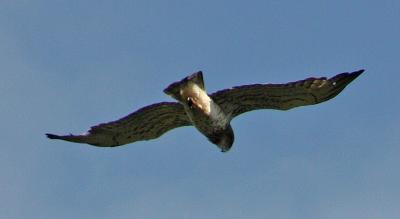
(190, 102)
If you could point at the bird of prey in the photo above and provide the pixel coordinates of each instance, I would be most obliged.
(212, 113)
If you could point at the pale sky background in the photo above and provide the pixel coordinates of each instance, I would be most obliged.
(67, 65)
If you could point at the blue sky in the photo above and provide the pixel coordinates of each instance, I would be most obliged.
(67, 65)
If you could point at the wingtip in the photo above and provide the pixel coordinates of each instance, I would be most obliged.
(347, 77)
(358, 73)
(353, 75)
(53, 136)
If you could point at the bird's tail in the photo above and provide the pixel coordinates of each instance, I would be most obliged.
(175, 88)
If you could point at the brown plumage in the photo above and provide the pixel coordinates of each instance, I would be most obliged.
(210, 114)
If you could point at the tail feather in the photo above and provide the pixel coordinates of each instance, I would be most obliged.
(175, 88)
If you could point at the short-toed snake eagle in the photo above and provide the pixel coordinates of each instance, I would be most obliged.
(212, 113)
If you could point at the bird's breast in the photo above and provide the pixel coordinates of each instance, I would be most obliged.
(197, 96)
(205, 114)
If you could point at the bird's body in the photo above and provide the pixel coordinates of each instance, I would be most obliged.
(211, 114)
(206, 115)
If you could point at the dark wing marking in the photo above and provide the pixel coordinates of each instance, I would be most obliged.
(241, 99)
(146, 123)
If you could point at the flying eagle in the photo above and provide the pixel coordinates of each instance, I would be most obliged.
(212, 113)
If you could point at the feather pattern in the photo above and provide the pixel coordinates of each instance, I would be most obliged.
(146, 123)
(241, 99)
(210, 114)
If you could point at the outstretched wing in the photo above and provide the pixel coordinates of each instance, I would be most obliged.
(147, 123)
(241, 99)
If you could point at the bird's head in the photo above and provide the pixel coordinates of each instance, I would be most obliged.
(223, 139)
